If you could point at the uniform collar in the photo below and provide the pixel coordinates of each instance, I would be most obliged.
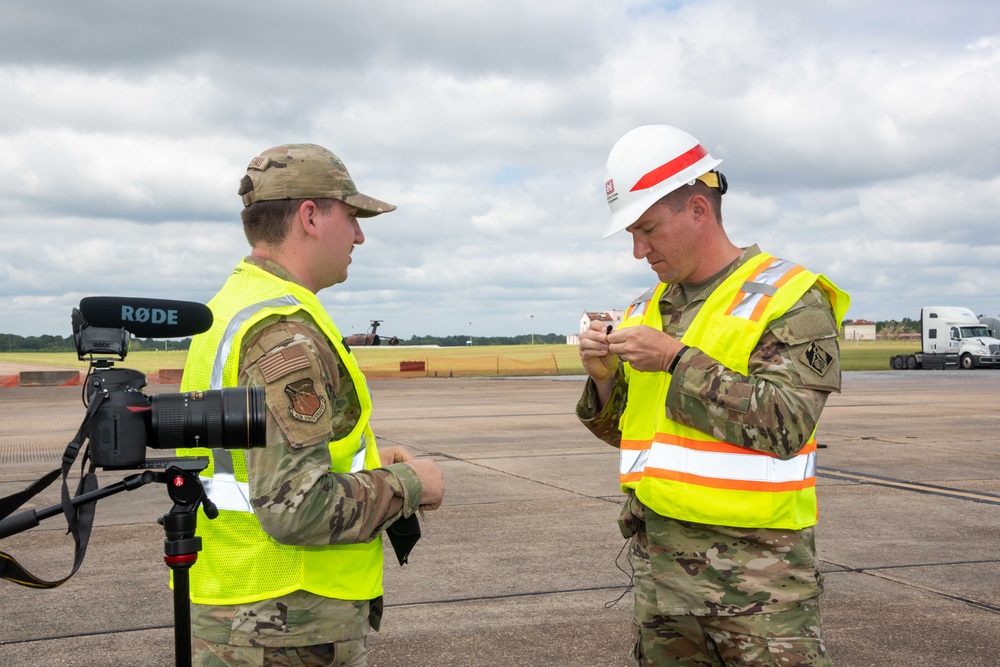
(682, 294)
(272, 267)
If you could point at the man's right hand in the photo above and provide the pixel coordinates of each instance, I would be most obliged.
(598, 361)
(431, 482)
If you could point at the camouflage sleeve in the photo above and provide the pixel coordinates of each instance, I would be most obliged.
(603, 421)
(311, 402)
(775, 407)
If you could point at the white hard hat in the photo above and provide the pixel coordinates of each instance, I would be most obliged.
(646, 164)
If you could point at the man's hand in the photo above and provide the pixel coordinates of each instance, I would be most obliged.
(598, 361)
(397, 454)
(644, 348)
(431, 482)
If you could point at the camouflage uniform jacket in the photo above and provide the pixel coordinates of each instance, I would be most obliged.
(706, 570)
(296, 497)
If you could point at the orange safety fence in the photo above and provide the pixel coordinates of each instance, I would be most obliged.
(42, 379)
(463, 366)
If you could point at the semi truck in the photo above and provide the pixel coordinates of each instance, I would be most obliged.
(951, 337)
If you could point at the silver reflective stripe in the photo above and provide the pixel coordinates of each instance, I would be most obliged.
(358, 461)
(239, 319)
(227, 493)
(633, 460)
(646, 296)
(220, 488)
(636, 310)
(638, 307)
(811, 465)
(773, 273)
(763, 285)
(736, 467)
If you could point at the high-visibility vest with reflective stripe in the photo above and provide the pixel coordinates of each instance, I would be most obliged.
(239, 562)
(684, 473)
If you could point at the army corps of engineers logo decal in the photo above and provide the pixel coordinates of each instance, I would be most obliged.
(307, 405)
(816, 358)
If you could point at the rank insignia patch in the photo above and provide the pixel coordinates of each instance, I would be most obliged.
(816, 358)
(307, 405)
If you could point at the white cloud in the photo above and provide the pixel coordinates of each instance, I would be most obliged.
(859, 139)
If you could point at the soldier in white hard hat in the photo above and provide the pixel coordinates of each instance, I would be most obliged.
(290, 572)
(712, 388)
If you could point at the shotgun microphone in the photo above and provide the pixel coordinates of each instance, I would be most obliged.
(147, 318)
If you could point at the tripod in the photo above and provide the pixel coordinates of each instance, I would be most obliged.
(181, 546)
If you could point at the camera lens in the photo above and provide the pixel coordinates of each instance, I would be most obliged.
(231, 418)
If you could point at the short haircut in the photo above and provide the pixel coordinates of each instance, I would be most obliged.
(678, 199)
(265, 223)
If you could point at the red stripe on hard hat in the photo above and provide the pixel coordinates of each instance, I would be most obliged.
(672, 168)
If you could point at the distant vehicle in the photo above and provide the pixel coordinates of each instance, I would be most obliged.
(370, 338)
(992, 323)
(951, 337)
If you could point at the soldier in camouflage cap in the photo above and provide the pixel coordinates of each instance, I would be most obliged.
(712, 387)
(291, 571)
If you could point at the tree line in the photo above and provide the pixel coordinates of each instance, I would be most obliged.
(459, 341)
(890, 328)
(15, 343)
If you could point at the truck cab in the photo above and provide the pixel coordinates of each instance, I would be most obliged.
(955, 336)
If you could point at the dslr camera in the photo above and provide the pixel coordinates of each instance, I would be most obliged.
(126, 421)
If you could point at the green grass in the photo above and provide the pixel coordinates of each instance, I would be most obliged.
(873, 355)
(862, 356)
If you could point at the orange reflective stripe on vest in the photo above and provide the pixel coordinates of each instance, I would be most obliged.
(717, 464)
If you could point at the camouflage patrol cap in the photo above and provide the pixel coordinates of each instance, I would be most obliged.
(307, 171)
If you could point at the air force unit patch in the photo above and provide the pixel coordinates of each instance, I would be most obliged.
(307, 405)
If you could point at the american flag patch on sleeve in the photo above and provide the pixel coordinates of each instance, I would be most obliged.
(281, 362)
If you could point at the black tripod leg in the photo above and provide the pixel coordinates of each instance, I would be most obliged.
(181, 551)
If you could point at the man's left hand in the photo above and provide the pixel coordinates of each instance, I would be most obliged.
(644, 348)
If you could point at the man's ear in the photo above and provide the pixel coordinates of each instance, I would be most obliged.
(305, 216)
(699, 206)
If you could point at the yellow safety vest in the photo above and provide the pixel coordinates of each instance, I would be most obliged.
(681, 472)
(239, 562)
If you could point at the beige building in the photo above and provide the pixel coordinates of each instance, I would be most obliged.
(857, 330)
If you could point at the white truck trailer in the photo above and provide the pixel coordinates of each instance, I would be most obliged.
(992, 323)
(951, 337)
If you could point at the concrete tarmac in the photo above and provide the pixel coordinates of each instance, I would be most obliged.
(518, 567)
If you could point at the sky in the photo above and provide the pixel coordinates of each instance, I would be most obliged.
(859, 139)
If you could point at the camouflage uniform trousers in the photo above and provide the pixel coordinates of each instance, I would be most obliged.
(787, 638)
(352, 653)
(780, 639)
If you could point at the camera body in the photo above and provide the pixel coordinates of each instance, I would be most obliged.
(119, 429)
(127, 421)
